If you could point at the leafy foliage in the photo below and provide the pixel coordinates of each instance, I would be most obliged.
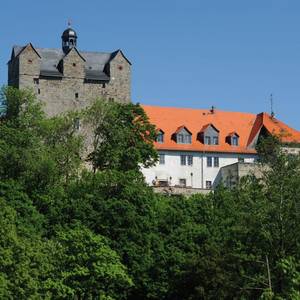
(67, 232)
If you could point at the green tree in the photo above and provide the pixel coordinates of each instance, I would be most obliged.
(85, 267)
(122, 136)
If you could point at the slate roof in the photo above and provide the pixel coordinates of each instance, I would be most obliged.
(246, 125)
(95, 62)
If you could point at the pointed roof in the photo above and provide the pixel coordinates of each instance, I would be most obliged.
(95, 62)
(17, 50)
(274, 127)
(182, 127)
(207, 126)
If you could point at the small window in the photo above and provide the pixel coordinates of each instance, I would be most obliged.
(208, 184)
(39, 91)
(160, 137)
(190, 160)
(111, 99)
(209, 161)
(74, 64)
(161, 159)
(216, 140)
(183, 160)
(182, 182)
(241, 159)
(77, 123)
(184, 137)
(180, 138)
(163, 183)
(36, 81)
(216, 162)
(235, 141)
(103, 85)
(207, 140)
(76, 95)
(29, 61)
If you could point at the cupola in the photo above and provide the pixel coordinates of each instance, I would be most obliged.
(69, 40)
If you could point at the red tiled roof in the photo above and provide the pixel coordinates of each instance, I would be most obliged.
(245, 125)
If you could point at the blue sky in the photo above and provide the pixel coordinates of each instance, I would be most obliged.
(231, 54)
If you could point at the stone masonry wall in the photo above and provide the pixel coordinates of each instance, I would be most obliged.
(71, 92)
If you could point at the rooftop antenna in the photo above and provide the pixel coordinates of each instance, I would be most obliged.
(271, 102)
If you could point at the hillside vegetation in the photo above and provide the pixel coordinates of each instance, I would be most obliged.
(74, 232)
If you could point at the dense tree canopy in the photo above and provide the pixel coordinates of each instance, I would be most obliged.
(71, 233)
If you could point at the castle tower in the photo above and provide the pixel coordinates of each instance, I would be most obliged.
(67, 78)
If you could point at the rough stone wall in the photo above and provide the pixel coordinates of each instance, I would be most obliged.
(71, 92)
(29, 62)
(13, 73)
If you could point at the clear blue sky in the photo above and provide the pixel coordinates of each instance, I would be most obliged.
(231, 54)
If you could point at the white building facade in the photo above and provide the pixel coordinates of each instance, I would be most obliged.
(191, 169)
(193, 145)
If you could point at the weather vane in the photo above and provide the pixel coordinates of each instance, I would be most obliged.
(272, 111)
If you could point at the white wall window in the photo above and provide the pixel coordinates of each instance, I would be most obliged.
(161, 159)
(182, 182)
(190, 160)
(183, 160)
(209, 161)
(216, 162)
(208, 184)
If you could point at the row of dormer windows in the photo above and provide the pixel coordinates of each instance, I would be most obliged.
(186, 138)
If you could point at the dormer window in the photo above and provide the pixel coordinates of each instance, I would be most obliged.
(233, 139)
(183, 136)
(207, 140)
(160, 137)
(209, 135)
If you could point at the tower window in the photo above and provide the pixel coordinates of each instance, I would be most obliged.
(36, 81)
(77, 123)
(29, 61)
(103, 85)
(76, 95)
(74, 64)
(39, 91)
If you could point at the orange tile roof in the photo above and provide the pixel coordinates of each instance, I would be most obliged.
(246, 125)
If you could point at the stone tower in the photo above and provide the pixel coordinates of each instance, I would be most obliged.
(67, 79)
